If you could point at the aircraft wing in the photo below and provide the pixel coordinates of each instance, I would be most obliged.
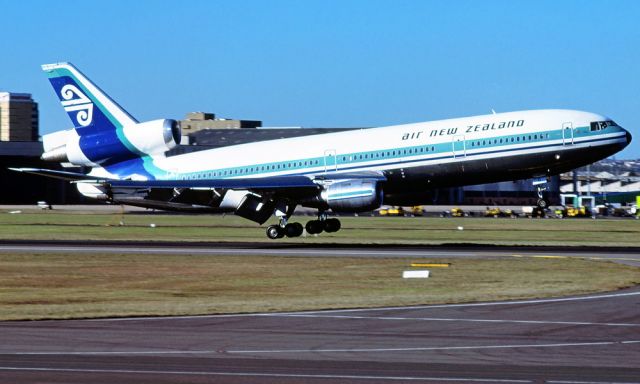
(257, 183)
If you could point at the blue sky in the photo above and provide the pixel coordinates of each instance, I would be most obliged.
(332, 63)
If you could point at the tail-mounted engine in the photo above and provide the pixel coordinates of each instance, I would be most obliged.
(87, 147)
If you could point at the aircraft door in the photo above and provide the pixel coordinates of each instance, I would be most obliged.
(567, 133)
(458, 147)
(330, 161)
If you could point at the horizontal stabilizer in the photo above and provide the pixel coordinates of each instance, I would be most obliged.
(62, 175)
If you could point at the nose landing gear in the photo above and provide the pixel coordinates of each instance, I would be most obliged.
(541, 187)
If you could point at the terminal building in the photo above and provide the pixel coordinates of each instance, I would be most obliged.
(609, 181)
(18, 117)
(19, 147)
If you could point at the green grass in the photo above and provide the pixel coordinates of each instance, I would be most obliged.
(56, 286)
(48, 225)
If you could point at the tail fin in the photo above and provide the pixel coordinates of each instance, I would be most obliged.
(89, 108)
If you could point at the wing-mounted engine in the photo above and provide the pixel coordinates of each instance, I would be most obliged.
(89, 147)
(349, 195)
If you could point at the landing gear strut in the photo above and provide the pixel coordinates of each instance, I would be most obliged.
(541, 186)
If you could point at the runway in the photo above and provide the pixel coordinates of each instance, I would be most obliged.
(587, 339)
(629, 256)
(593, 339)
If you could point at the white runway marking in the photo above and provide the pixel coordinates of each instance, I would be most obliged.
(588, 382)
(258, 374)
(338, 350)
(573, 323)
(515, 302)
(417, 349)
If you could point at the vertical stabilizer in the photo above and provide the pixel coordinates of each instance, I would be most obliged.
(88, 107)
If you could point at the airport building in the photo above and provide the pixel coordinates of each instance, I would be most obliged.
(18, 117)
(19, 147)
(610, 181)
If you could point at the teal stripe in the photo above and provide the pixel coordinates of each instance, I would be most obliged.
(352, 194)
(432, 150)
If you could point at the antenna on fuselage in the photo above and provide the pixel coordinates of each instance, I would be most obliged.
(492, 111)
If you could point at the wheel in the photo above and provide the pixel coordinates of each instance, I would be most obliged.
(542, 203)
(293, 229)
(275, 232)
(314, 226)
(332, 225)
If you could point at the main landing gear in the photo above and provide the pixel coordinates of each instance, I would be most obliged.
(295, 229)
(289, 230)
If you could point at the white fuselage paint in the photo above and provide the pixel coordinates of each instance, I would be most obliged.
(430, 142)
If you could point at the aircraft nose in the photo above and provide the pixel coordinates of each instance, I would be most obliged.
(628, 137)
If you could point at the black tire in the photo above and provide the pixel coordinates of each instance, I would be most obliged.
(542, 203)
(293, 229)
(274, 232)
(332, 225)
(314, 226)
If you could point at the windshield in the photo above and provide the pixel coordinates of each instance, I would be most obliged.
(600, 125)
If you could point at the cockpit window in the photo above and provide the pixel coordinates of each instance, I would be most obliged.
(600, 125)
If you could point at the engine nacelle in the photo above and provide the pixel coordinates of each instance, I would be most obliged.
(94, 147)
(353, 195)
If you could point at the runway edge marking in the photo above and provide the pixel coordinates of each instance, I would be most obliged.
(260, 374)
(516, 302)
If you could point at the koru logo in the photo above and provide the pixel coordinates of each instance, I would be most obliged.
(76, 101)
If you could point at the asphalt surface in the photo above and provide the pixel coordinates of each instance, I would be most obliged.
(629, 256)
(588, 339)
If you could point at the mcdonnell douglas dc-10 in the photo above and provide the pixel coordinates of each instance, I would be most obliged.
(351, 171)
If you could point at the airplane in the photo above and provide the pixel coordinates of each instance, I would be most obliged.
(350, 171)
